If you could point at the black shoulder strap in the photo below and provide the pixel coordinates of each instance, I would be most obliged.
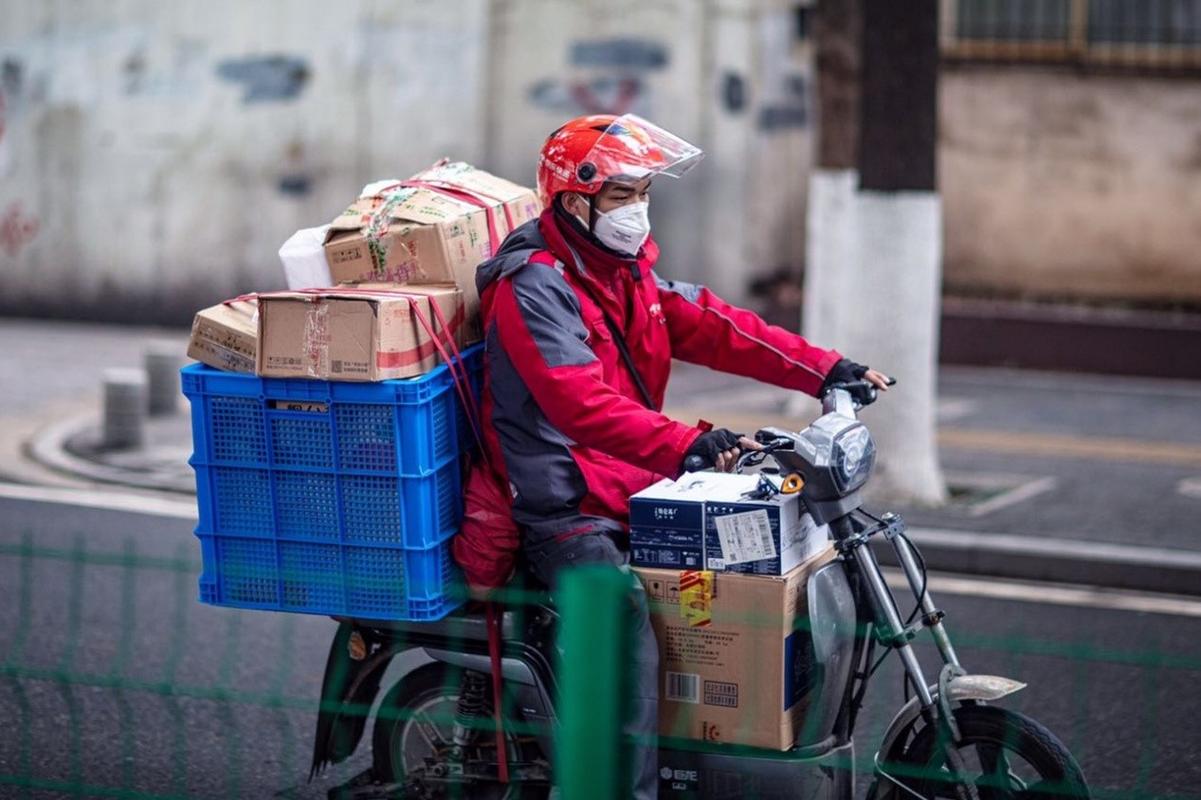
(618, 339)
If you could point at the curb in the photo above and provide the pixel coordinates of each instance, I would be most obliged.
(49, 449)
(1147, 569)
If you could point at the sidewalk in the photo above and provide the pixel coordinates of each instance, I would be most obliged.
(1053, 477)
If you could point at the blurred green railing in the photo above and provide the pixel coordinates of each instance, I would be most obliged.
(115, 682)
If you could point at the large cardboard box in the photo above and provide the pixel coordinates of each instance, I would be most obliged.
(435, 227)
(361, 333)
(732, 653)
(705, 520)
(225, 336)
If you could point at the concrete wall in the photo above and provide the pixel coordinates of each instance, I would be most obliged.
(1057, 184)
(153, 156)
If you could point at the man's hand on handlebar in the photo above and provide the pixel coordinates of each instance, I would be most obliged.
(718, 448)
(878, 379)
(847, 371)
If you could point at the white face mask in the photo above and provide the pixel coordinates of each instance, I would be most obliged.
(624, 228)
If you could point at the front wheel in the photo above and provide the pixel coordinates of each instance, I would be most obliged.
(1007, 756)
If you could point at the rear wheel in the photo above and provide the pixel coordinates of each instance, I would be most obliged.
(413, 730)
(1006, 755)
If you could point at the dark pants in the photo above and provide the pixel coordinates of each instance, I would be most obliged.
(547, 559)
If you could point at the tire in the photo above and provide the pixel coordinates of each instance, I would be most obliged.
(431, 693)
(1039, 766)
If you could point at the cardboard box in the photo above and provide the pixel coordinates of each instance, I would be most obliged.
(428, 229)
(705, 521)
(732, 658)
(361, 333)
(225, 336)
(450, 302)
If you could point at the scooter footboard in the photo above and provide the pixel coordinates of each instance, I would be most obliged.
(709, 775)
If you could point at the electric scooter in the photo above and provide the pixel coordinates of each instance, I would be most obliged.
(432, 734)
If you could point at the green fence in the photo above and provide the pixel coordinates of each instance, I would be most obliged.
(115, 682)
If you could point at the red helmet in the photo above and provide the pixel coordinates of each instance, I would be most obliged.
(587, 151)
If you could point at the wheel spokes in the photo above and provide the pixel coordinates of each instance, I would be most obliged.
(428, 729)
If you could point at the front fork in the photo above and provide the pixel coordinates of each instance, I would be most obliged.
(894, 633)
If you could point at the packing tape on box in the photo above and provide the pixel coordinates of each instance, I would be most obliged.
(696, 597)
(375, 230)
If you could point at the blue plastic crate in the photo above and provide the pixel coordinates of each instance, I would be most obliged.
(364, 582)
(328, 497)
(406, 427)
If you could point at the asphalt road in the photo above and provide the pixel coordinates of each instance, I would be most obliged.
(115, 679)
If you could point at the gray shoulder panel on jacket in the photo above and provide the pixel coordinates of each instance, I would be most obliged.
(551, 311)
(689, 291)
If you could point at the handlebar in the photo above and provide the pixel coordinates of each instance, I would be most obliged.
(846, 398)
(860, 393)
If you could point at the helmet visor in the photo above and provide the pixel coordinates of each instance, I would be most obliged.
(631, 149)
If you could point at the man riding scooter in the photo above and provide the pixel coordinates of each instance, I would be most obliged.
(580, 334)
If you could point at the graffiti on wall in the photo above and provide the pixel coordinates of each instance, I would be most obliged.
(604, 76)
(16, 229)
(266, 78)
(784, 74)
(11, 75)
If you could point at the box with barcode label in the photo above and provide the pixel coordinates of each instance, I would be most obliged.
(667, 520)
(732, 653)
(712, 520)
(760, 537)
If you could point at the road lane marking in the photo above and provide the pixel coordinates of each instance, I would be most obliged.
(105, 500)
(1018, 494)
(1058, 445)
(1190, 487)
(1052, 593)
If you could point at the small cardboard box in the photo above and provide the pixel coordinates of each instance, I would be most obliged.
(364, 333)
(732, 653)
(436, 227)
(225, 336)
(706, 515)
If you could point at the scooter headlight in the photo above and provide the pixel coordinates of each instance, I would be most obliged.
(852, 458)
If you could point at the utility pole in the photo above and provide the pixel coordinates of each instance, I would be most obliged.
(874, 260)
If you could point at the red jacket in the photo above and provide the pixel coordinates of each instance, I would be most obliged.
(567, 434)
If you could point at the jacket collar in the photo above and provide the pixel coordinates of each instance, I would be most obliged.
(599, 264)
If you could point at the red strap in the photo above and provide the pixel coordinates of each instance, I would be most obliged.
(460, 378)
(467, 197)
(492, 613)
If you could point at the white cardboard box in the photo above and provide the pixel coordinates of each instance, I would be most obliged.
(708, 514)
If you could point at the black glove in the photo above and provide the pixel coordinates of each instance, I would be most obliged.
(844, 371)
(710, 444)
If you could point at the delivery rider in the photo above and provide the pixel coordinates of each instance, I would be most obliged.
(580, 332)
